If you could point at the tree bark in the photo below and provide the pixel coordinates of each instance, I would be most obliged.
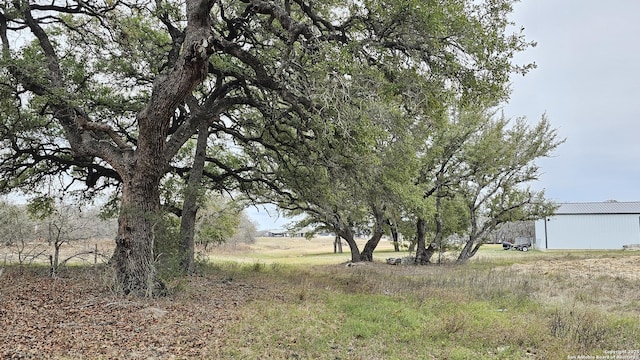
(421, 249)
(56, 259)
(190, 205)
(437, 217)
(133, 258)
(370, 246)
(378, 231)
(394, 235)
(346, 233)
(468, 250)
(465, 254)
(337, 245)
(142, 170)
(423, 253)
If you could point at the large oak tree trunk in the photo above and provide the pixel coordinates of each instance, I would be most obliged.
(142, 170)
(133, 258)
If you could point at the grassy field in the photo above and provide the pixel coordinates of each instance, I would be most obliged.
(290, 251)
(284, 298)
(502, 305)
(319, 251)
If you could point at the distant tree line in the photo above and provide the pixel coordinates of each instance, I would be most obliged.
(25, 228)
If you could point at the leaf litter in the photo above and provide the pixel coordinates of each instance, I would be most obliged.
(77, 316)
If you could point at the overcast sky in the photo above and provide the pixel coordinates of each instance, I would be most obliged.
(588, 83)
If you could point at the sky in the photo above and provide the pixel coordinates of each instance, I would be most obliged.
(587, 81)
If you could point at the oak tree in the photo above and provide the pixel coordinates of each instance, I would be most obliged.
(500, 164)
(108, 92)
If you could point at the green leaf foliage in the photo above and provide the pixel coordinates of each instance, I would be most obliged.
(218, 220)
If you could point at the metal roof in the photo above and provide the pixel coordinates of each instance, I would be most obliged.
(608, 207)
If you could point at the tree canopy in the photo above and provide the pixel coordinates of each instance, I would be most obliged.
(108, 93)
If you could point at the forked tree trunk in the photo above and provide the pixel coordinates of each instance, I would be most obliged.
(393, 227)
(337, 245)
(431, 250)
(370, 246)
(378, 231)
(465, 253)
(469, 250)
(472, 245)
(133, 258)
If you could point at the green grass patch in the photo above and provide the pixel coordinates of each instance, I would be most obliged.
(446, 312)
(500, 305)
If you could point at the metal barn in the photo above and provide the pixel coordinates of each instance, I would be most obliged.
(594, 225)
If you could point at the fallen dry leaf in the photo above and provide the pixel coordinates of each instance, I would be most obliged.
(75, 316)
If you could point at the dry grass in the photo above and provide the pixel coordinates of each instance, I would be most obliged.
(285, 250)
(76, 252)
(504, 305)
(288, 298)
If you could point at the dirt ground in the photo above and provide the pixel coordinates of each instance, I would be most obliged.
(76, 315)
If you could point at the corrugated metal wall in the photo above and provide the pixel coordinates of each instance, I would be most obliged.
(601, 231)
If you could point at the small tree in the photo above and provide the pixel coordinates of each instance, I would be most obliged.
(512, 230)
(246, 232)
(440, 173)
(58, 224)
(16, 232)
(218, 220)
(499, 165)
(15, 226)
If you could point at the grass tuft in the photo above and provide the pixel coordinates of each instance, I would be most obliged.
(504, 305)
